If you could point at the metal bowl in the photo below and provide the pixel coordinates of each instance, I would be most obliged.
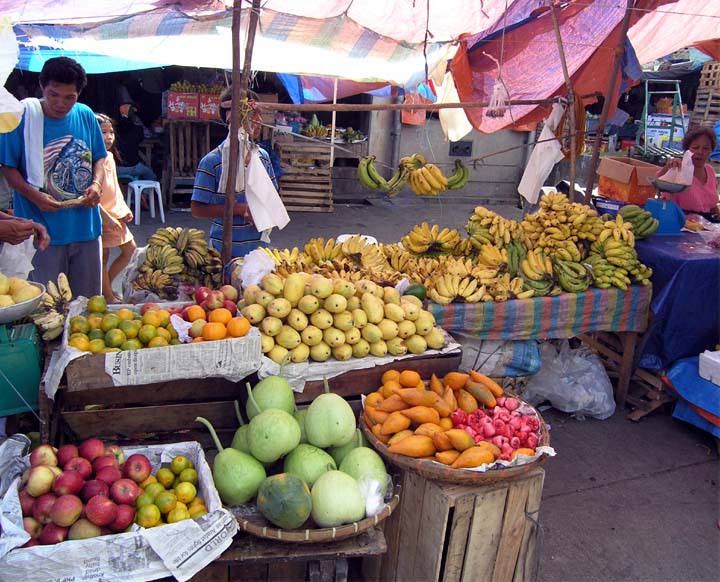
(664, 186)
(20, 310)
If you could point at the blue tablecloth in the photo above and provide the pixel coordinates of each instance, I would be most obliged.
(686, 298)
(698, 400)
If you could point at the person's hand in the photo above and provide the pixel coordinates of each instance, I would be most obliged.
(16, 230)
(128, 217)
(92, 195)
(675, 163)
(46, 203)
(42, 238)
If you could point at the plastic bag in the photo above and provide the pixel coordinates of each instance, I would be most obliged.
(372, 492)
(685, 174)
(499, 358)
(573, 380)
(16, 260)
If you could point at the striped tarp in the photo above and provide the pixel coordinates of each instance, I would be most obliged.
(563, 316)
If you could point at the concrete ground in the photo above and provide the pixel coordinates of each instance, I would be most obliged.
(622, 500)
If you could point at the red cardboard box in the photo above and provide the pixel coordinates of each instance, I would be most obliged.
(626, 180)
(182, 105)
(208, 106)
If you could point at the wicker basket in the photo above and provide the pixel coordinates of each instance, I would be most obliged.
(439, 472)
(251, 521)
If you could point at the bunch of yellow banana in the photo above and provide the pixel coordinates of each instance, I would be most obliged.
(372, 258)
(464, 248)
(320, 250)
(605, 274)
(618, 229)
(488, 227)
(566, 250)
(165, 259)
(426, 239)
(445, 289)
(492, 256)
(285, 255)
(505, 287)
(49, 316)
(460, 176)
(559, 220)
(424, 178)
(537, 271)
(316, 131)
(554, 200)
(399, 259)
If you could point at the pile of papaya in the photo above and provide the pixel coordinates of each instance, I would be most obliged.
(463, 419)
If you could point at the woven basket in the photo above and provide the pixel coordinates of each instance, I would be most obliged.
(439, 472)
(251, 521)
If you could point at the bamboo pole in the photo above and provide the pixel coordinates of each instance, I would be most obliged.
(239, 91)
(572, 125)
(619, 52)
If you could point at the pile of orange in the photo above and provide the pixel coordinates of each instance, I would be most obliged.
(220, 324)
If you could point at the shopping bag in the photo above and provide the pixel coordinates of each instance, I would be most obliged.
(264, 202)
(16, 260)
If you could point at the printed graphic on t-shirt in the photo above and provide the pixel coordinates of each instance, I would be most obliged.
(68, 166)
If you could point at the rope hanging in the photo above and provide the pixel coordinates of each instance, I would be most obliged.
(580, 133)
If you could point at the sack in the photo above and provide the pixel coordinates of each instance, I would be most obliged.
(573, 380)
(499, 359)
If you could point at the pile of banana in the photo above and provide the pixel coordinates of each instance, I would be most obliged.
(49, 316)
(424, 239)
(487, 227)
(177, 254)
(537, 271)
(643, 222)
(572, 276)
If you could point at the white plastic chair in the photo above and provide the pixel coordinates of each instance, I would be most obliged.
(135, 190)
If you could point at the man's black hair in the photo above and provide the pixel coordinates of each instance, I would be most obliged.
(63, 70)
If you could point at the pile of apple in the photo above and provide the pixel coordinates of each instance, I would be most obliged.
(80, 492)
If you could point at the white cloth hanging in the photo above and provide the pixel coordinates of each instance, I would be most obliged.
(545, 155)
(264, 202)
(225, 159)
(33, 135)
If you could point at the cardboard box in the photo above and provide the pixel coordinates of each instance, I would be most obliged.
(208, 106)
(709, 366)
(626, 180)
(182, 105)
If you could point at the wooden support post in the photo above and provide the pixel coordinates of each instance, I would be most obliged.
(619, 52)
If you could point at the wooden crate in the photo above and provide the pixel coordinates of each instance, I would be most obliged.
(707, 108)
(448, 533)
(710, 76)
(306, 185)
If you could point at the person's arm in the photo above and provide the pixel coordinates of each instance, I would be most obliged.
(17, 182)
(15, 230)
(92, 192)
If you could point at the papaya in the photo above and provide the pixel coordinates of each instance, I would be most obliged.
(473, 457)
(447, 457)
(396, 422)
(284, 500)
(481, 393)
(422, 415)
(488, 382)
(418, 397)
(383, 438)
(414, 446)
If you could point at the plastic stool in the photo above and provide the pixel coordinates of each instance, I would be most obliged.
(137, 187)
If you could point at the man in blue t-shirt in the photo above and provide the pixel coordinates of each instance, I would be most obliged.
(208, 202)
(63, 195)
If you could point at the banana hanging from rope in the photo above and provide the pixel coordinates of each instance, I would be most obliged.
(425, 179)
(459, 178)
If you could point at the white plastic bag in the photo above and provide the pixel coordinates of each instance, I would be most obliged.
(573, 380)
(16, 260)
(684, 175)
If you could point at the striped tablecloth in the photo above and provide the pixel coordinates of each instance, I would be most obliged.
(564, 316)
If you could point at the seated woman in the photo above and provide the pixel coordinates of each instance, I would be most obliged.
(702, 196)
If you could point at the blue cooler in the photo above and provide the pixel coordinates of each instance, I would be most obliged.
(607, 205)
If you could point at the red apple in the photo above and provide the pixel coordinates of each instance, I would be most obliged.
(201, 294)
(231, 307)
(65, 453)
(25, 476)
(91, 449)
(109, 475)
(107, 460)
(40, 480)
(196, 328)
(57, 471)
(69, 483)
(66, 510)
(117, 452)
(80, 465)
(138, 468)
(124, 491)
(125, 516)
(215, 299)
(101, 510)
(32, 526)
(229, 292)
(83, 529)
(43, 455)
(53, 534)
(93, 488)
(43, 506)
(30, 543)
(148, 307)
(26, 502)
(184, 312)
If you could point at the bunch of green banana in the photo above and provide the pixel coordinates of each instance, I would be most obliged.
(369, 176)
(445, 289)
(516, 252)
(572, 276)
(424, 179)
(163, 258)
(566, 250)
(460, 176)
(49, 316)
(397, 181)
(643, 222)
(319, 250)
(157, 282)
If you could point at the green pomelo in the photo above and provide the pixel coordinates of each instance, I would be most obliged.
(336, 499)
(330, 422)
(308, 463)
(338, 453)
(273, 433)
(365, 463)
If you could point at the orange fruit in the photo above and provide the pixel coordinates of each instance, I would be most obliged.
(97, 304)
(220, 315)
(143, 499)
(166, 501)
(214, 331)
(178, 514)
(148, 515)
(94, 321)
(109, 321)
(164, 317)
(185, 492)
(196, 501)
(96, 346)
(129, 327)
(165, 476)
(131, 344)
(195, 312)
(157, 342)
(171, 330)
(115, 338)
(409, 378)
(146, 333)
(390, 387)
(389, 375)
(238, 326)
(96, 334)
(153, 317)
(197, 511)
(197, 340)
(164, 333)
(80, 343)
(79, 324)
(150, 479)
(125, 314)
(179, 464)
(154, 489)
